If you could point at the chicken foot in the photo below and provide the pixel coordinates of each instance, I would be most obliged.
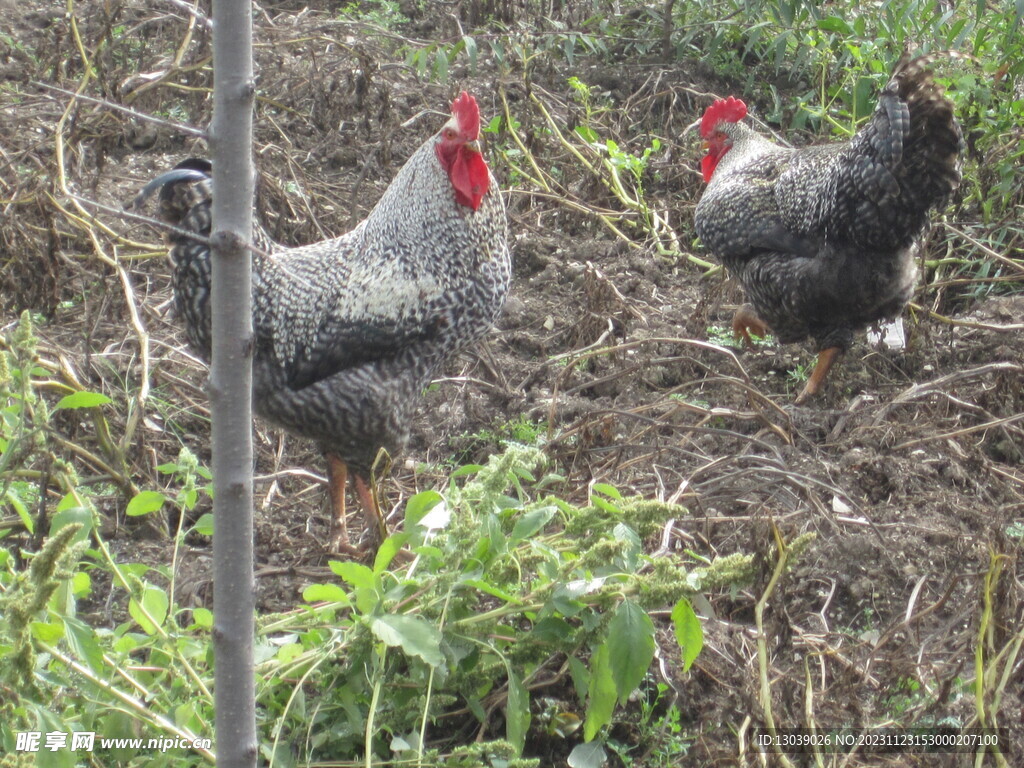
(745, 322)
(826, 358)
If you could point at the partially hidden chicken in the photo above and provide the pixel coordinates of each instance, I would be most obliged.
(350, 331)
(823, 238)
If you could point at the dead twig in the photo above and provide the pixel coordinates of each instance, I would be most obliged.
(182, 127)
(918, 391)
(1016, 266)
(961, 432)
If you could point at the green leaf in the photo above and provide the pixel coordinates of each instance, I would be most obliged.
(553, 629)
(81, 584)
(326, 593)
(145, 502)
(441, 65)
(83, 400)
(494, 126)
(47, 631)
(622, 532)
(356, 574)
(863, 97)
(467, 469)
(498, 51)
(126, 643)
(82, 641)
(387, 551)
(565, 596)
(606, 505)
(202, 617)
(517, 713)
(288, 652)
(471, 51)
(835, 24)
(48, 721)
(689, 632)
(588, 755)
(69, 515)
(21, 509)
(493, 591)
(204, 525)
(630, 642)
(187, 498)
(580, 677)
(414, 635)
(588, 135)
(530, 523)
(185, 716)
(362, 579)
(600, 694)
(154, 602)
(417, 506)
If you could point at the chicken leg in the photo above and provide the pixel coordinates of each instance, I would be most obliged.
(376, 528)
(826, 358)
(746, 322)
(337, 476)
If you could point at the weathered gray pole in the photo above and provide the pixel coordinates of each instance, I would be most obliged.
(230, 386)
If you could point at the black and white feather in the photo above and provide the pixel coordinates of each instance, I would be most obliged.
(823, 238)
(349, 331)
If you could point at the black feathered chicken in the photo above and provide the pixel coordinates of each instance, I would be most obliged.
(822, 238)
(349, 331)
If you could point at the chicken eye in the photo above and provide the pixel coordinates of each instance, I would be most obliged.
(449, 133)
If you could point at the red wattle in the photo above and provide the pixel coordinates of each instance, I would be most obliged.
(707, 166)
(470, 177)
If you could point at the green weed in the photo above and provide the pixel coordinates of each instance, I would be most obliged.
(505, 584)
(798, 375)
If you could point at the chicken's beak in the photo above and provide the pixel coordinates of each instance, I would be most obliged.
(473, 146)
(705, 145)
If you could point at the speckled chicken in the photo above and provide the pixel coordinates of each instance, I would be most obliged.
(349, 331)
(822, 238)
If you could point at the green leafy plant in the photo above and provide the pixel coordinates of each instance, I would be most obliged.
(662, 741)
(386, 14)
(498, 590)
(433, 61)
(798, 374)
(486, 592)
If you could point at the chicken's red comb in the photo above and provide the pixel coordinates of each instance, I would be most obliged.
(732, 110)
(466, 112)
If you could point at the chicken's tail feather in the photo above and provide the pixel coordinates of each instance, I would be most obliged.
(185, 197)
(933, 145)
(904, 163)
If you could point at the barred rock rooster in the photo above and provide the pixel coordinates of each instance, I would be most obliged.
(349, 331)
(822, 238)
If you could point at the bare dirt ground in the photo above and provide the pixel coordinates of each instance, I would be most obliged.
(909, 470)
